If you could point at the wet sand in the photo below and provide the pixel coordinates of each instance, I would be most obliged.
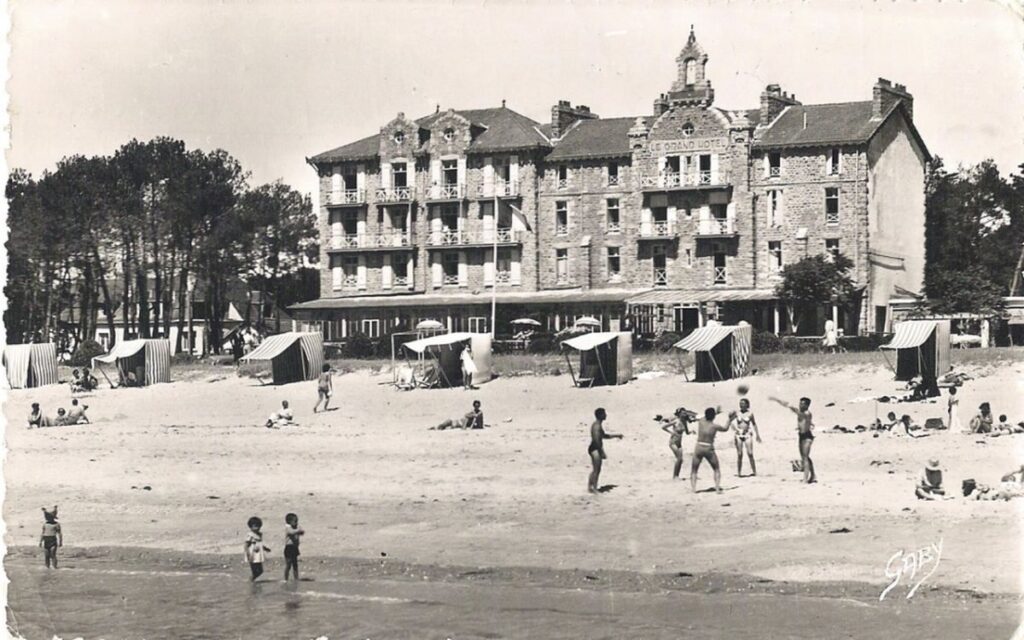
(180, 467)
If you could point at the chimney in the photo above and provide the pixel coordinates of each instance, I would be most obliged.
(563, 115)
(886, 94)
(773, 101)
(660, 105)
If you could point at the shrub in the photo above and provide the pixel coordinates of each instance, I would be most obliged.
(359, 345)
(869, 342)
(543, 344)
(86, 351)
(663, 342)
(766, 342)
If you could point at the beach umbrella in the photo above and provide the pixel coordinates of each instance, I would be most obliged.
(527, 321)
(429, 324)
(588, 321)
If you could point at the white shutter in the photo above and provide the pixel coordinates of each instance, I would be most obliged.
(385, 272)
(463, 270)
(361, 177)
(336, 178)
(705, 215)
(662, 161)
(488, 177)
(780, 213)
(361, 225)
(336, 273)
(337, 230)
(730, 214)
(488, 269)
(435, 225)
(828, 162)
(516, 268)
(435, 178)
(645, 221)
(385, 175)
(671, 216)
(714, 168)
(361, 273)
(461, 179)
(410, 271)
(436, 270)
(767, 165)
(488, 220)
(513, 169)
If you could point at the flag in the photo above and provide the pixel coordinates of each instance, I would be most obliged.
(518, 213)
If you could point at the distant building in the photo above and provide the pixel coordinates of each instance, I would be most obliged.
(658, 222)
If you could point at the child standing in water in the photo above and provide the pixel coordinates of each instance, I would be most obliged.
(254, 547)
(292, 533)
(324, 388)
(51, 537)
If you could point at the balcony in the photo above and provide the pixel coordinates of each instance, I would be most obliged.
(450, 279)
(774, 172)
(456, 238)
(503, 277)
(720, 275)
(346, 198)
(350, 282)
(613, 181)
(402, 281)
(661, 277)
(392, 195)
(389, 240)
(499, 189)
(658, 230)
(562, 183)
(716, 228)
(447, 192)
(672, 181)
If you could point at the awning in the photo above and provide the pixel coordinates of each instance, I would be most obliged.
(695, 296)
(911, 334)
(272, 347)
(588, 341)
(421, 345)
(704, 339)
(560, 296)
(124, 349)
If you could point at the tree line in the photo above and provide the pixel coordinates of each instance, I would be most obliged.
(143, 236)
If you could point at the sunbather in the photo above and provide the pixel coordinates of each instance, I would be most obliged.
(1004, 428)
(472, 420)
(909, 426)
(280, 418)
(929, 484)
(891, 421)
(982, 423)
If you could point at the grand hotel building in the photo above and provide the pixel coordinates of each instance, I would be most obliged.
(652, 222)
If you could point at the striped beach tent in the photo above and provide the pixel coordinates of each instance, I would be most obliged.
(30, 365)
(720, 352)
(149, 360)
(922, 348)
(445, 351)
(293, 356)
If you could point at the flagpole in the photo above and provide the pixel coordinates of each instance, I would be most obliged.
(494, 270)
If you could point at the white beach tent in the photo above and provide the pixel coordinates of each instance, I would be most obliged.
(30, 365)
(293, 356)
(720, 352)
(149, 360)
(446, 350)
(606, 358)
(922, 348)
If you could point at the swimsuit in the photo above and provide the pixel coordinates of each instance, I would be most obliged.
(806, 435)
(743, 427)
(596, 446)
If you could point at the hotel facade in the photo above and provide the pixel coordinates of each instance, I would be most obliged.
(652, 223)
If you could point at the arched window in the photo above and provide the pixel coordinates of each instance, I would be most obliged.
(691, 71)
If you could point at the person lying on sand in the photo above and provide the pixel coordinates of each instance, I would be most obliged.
(472, 420)
(891, 421)
(596, 449)
(929, 484)
(1004, 428)
(909, 427)
(280, 418)
(707, 429)
(1007, 490)
(1014, 476)
(675, 427)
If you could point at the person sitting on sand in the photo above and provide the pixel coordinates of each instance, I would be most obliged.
(982, 423)
(472, 420)
(675, 428)
(35, 418)
(62, 418)
(77, 413)
(76, 381)
(707, 429)
(324, 388)
(89, 381)
(280, 418)
(891, 421)
(929, 484)
(596, 448)
(909, 427)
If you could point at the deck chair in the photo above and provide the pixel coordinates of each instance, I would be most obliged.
(405, 378)
(430, 378)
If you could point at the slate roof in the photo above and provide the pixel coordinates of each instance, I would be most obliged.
(845, 122)
(606, 138)
(503, 130)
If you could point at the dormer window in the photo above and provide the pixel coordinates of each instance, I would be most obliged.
(449, 172)
(449, 134)
(834, 161)
(399, 137)
(687, 130)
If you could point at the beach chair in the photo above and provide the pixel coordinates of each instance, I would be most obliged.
(405, 378)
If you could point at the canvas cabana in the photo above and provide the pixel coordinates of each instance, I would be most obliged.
(442, 356)
(148, 360)
(294, 356)
(30, 365)
(720, 352)
(922, 348)
(606, 358)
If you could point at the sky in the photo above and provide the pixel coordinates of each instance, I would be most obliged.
(274, 82)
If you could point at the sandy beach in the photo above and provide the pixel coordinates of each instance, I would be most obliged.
(180, 467)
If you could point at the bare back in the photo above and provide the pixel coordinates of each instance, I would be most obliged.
(707, 430)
